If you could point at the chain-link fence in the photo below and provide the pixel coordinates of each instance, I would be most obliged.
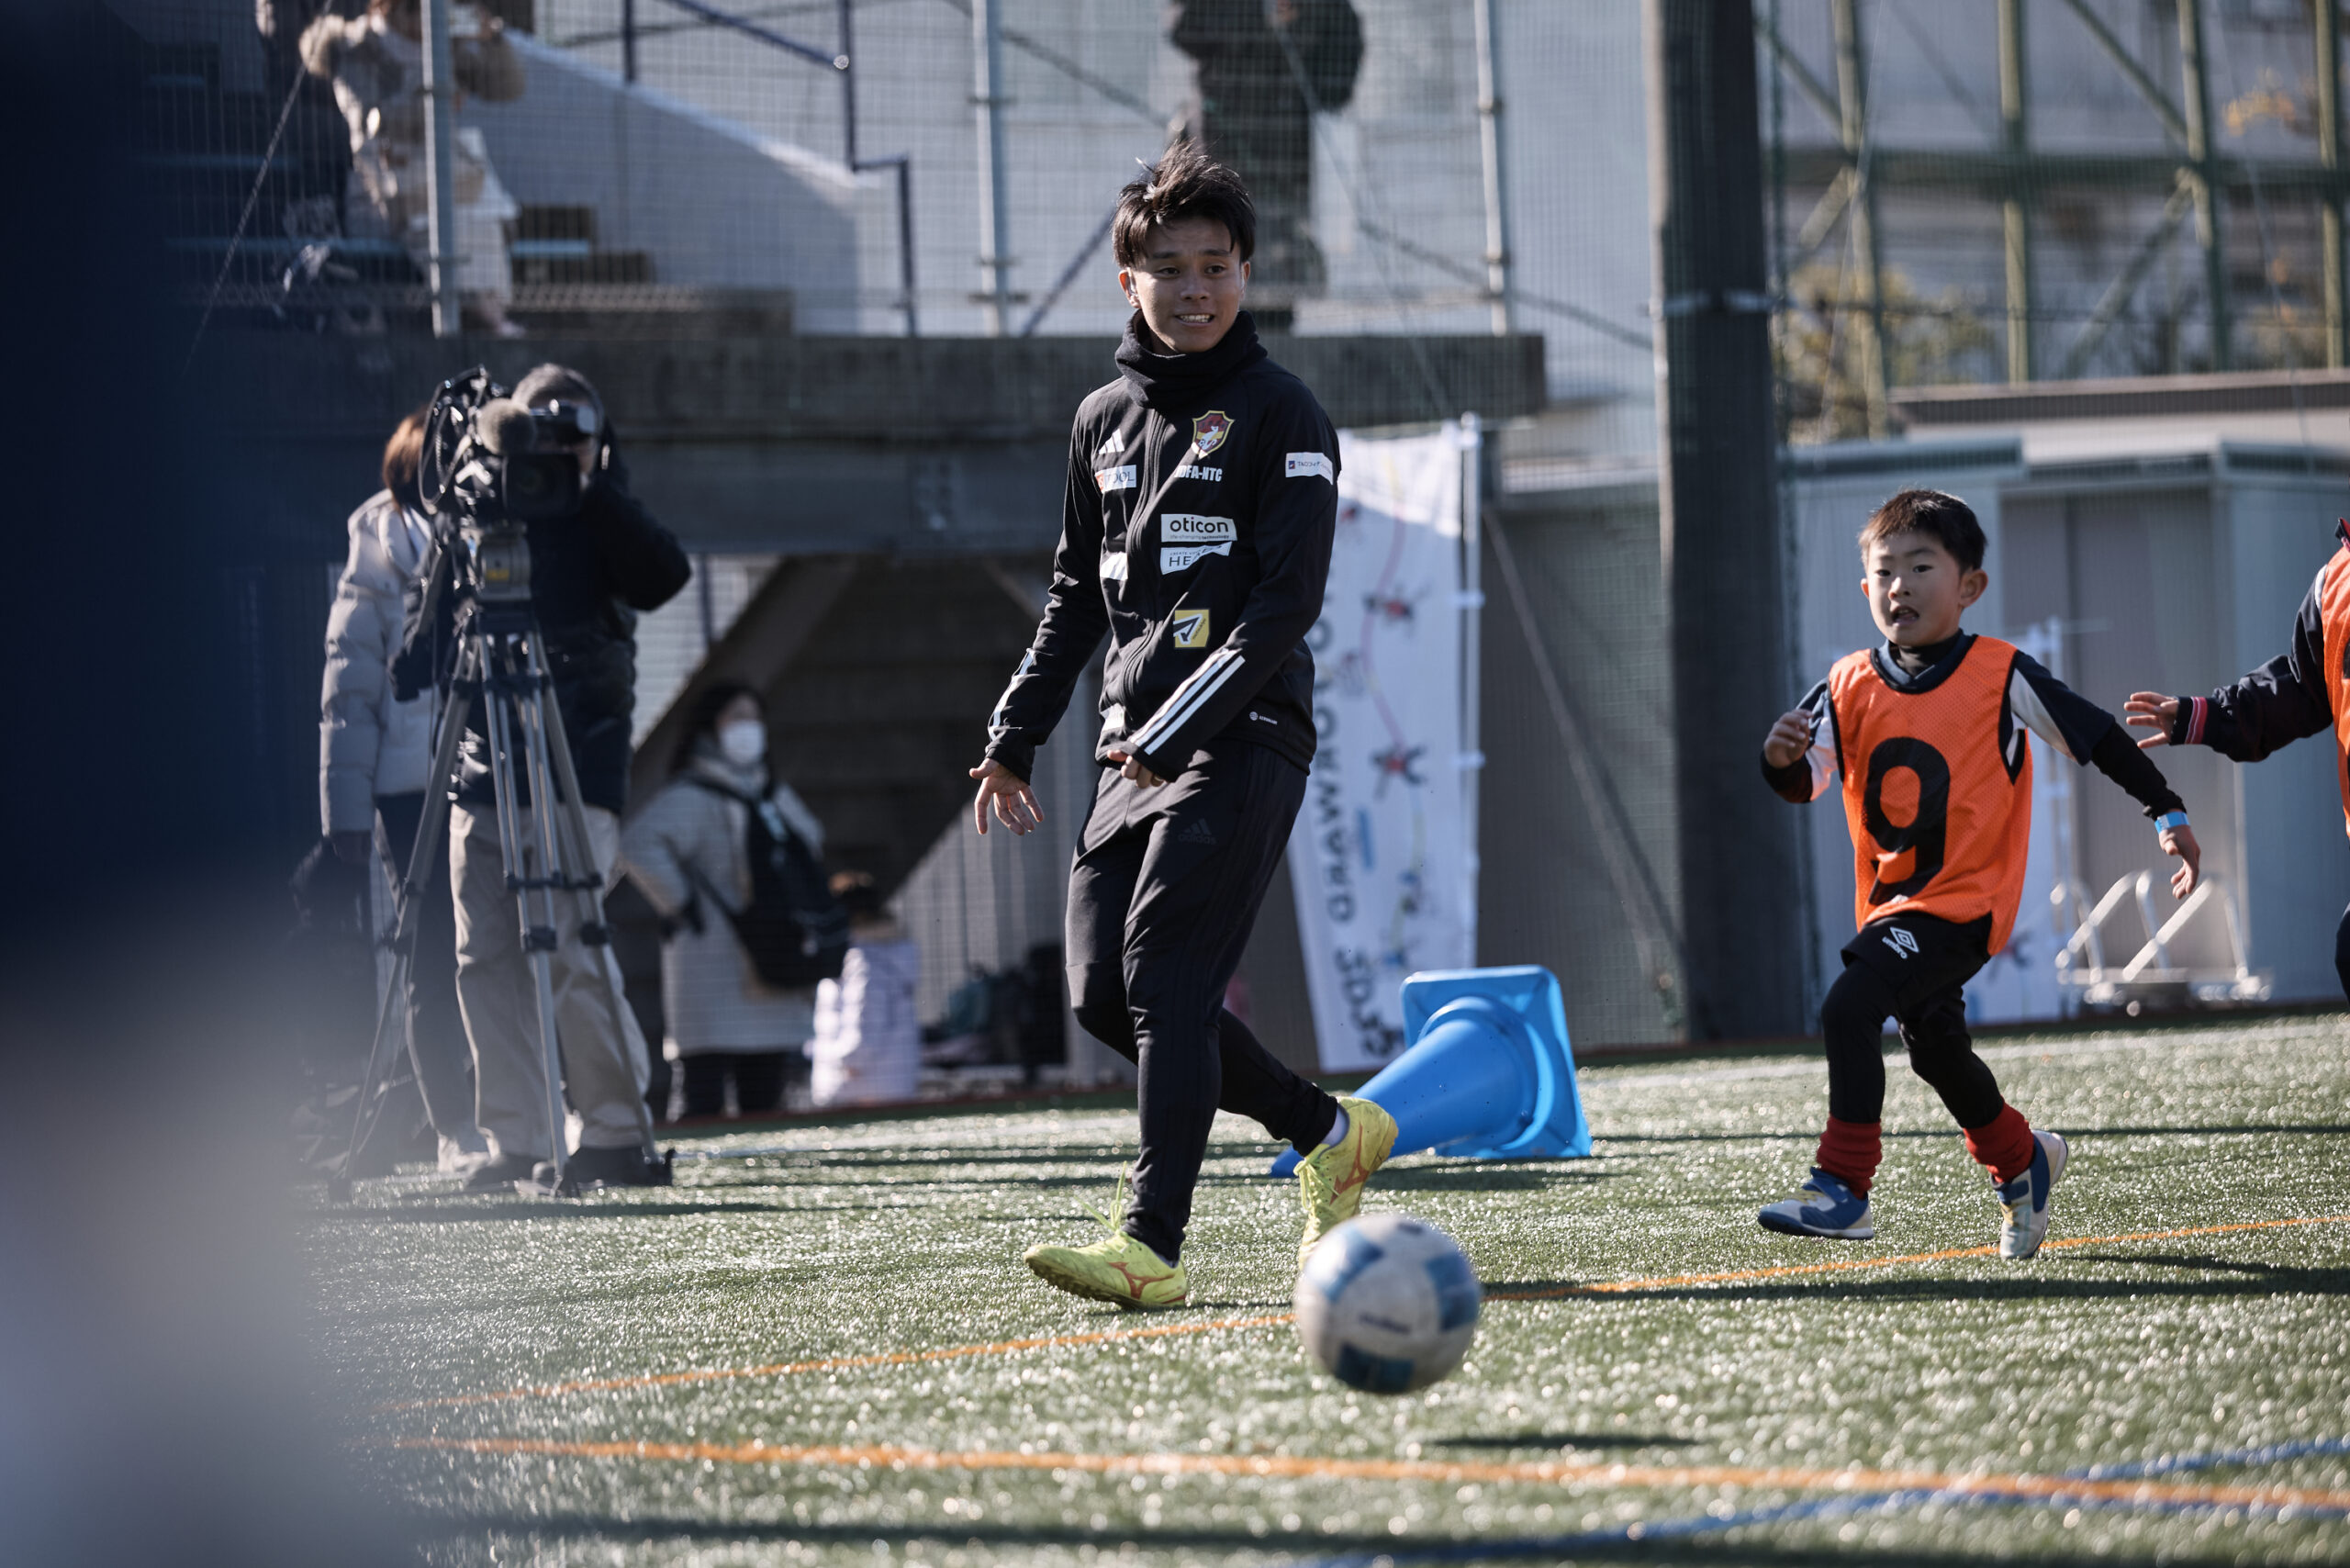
(679, 166)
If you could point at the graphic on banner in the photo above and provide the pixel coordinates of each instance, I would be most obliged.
(1378, 857)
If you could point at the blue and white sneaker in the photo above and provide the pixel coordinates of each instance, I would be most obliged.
(2024, 1203)
(1822, 1207)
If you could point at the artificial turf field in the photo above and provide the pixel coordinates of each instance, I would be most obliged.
(820, 1344)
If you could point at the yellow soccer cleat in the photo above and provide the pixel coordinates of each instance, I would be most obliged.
(1117, 1268)
(1331, 1179)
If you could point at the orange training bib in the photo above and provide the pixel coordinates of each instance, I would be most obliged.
(1941, 814)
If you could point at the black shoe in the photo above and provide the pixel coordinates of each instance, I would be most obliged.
(590, 1169)
(500, 1174)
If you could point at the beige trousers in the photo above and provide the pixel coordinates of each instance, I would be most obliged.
(605, 1066)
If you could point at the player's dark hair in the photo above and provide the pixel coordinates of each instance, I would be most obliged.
(403, 454)
(1937, 514)
(1186, 183)
(859, 895)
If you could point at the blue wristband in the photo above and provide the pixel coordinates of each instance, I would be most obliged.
(2170, 819)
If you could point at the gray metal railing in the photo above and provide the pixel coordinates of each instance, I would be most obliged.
(843, 64)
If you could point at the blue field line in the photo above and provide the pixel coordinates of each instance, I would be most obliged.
(2169, 1464)
(1877, 1502)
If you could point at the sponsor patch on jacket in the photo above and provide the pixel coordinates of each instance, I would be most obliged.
(1114, 567)
(1310, 466)
(1173, 558)
(1209, 430)
(1191, 528)
(1194, 471)
(1188, 629)
(1119, 478)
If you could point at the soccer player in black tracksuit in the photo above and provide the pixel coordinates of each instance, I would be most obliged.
(1196, 529)
(2305, 691)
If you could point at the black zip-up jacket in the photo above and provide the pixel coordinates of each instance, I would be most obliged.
(2284, 701)
(1202, 497)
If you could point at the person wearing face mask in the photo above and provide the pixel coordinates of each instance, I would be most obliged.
(688, 849)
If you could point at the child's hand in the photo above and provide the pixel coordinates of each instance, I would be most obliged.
(1789, 740)
(2150, 711)
(2180, 841)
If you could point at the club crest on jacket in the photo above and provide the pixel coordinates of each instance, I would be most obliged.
(1209, 430)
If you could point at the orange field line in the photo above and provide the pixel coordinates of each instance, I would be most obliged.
(1448, 1471)
(1108, 1336)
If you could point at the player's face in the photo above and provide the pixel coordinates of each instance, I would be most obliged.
(1917, 590)
(1188, 284)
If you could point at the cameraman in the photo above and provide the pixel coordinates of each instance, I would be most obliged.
(591, 572)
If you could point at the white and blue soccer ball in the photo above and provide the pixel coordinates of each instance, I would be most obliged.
(1387, 1304)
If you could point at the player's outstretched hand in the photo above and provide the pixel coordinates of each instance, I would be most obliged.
(1131, 768)
(1008, 795)
(2150, 711)
(1789, 740)
(2180, 841)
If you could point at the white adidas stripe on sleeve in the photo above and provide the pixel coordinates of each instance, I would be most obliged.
(1187, 699)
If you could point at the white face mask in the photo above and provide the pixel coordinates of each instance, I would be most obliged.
(744, 742)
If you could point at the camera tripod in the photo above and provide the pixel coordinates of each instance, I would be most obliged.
(550, 866)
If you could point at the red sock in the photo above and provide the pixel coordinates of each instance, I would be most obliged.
(1850, 1151)
(2004, 1145)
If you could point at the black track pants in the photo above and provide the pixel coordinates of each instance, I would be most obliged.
(1912, 969)
(1160, 901)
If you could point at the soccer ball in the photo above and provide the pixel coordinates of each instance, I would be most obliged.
(1387, 1304)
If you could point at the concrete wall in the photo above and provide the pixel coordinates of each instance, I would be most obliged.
(713, 202)
(781, 444)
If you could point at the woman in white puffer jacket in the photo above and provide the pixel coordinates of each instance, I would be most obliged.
(688, 846)
(374, 754)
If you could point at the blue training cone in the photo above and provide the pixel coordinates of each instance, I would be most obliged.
(1489, 1073)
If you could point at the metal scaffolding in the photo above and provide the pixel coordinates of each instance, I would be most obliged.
(2017, 175)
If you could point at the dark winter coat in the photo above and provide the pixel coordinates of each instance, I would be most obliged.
(591, 574)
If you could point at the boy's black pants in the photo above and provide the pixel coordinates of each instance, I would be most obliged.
(1164, 890)
(1912, 969)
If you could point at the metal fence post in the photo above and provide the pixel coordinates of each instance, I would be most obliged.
(1724, 565)
(2210, 217)
(1489, 129)
(995, 200)
(2329, 153)
(440, 154)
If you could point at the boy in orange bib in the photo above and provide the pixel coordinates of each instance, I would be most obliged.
(1927, 736)
(2305, 691)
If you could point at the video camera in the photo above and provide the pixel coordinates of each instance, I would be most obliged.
(492, 467)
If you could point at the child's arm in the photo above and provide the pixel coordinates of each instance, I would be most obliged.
(2276, 705)
(2081, 730)
(1799, 753)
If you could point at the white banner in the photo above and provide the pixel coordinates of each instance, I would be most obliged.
(1380, 858)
